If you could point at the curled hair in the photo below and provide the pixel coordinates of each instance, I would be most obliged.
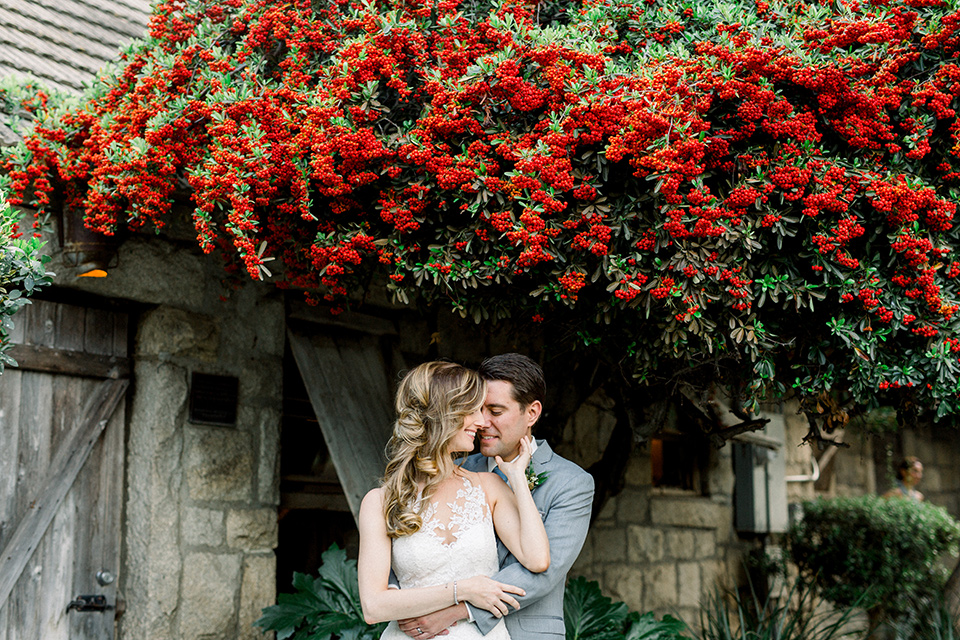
(432, 401)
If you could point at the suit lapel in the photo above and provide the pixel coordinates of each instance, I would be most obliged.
(542, 458)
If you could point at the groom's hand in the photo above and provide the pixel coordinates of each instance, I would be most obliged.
(434, 624)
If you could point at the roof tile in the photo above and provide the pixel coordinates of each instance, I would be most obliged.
(64, 42)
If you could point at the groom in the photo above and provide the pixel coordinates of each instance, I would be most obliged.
(515, 394)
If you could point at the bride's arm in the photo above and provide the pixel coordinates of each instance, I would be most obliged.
(380, 603)
(515, 515)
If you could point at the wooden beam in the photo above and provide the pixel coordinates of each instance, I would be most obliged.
(31, 357)
(63, 470)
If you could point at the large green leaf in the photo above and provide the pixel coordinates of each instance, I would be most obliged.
(322, 608)
(647, 627)
(339, 574)
(589, 615)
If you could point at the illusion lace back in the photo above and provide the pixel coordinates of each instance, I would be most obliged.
(456, 541)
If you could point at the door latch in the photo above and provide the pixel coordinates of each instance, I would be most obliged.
(89, 603)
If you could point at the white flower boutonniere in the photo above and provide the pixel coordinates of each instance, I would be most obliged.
(534, 480)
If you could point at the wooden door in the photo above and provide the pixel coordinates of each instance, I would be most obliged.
(61, 471)
(346, 381)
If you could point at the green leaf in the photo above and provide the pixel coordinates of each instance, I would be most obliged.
(589, 615)
(647, 627)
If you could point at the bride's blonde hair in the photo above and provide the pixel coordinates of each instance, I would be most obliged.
(432, 401)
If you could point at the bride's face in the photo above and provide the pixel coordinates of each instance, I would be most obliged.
(463, 441)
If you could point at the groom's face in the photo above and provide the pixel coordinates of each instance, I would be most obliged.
(505, 422)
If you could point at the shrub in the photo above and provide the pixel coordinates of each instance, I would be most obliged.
(21, 273)
(590, 615)
(751, 191)
(882, 554)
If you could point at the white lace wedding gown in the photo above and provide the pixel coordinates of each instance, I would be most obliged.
(440, 552)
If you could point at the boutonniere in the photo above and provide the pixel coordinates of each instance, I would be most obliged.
(534, 480)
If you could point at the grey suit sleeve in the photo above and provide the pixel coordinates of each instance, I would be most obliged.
(567, 522)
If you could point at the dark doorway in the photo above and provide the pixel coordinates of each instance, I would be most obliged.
(313, 511)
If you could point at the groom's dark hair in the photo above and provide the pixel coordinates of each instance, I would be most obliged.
(524, 374)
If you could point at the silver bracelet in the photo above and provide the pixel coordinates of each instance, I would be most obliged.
(455, 599)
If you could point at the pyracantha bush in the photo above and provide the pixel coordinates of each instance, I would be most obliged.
(760, 192)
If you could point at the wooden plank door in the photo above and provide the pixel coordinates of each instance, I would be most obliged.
(347, 384)
(68, 355)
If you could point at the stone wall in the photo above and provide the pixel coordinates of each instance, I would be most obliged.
(656, 549)
(939, 450)
(867, 465)
(200, 522)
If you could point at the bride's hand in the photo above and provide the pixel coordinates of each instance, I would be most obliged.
(516, 469)
(486, 593)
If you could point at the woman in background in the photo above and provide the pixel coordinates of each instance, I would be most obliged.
(909, 474)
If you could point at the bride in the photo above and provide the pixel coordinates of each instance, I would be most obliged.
(435, 523)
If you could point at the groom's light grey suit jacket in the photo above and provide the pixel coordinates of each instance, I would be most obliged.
(564, 500)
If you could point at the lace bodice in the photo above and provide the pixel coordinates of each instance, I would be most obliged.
(456, 541)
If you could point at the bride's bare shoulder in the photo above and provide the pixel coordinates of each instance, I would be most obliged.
(374, 498)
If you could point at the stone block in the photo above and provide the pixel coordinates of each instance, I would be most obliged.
(633, 506)
(689, 583)
(681, 511)
(209, 595)
(705, 544)
(608, 513)
(680, 544)
(252, 529)
(945, 455)
(660, 587)
(270, 327)
(154, 480)
(148, 270)
(644, 544)
(219, 464)
(168, 331)
(717, 574)
(720, 477)
(257, 590)
(584, 561)
(586, 421)
(908, 438)
(268, 463)
(638, 472)
(266, 335)
(261, 383)
(926, 449)
(624, 583)
(203, 527)
(610, 545)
